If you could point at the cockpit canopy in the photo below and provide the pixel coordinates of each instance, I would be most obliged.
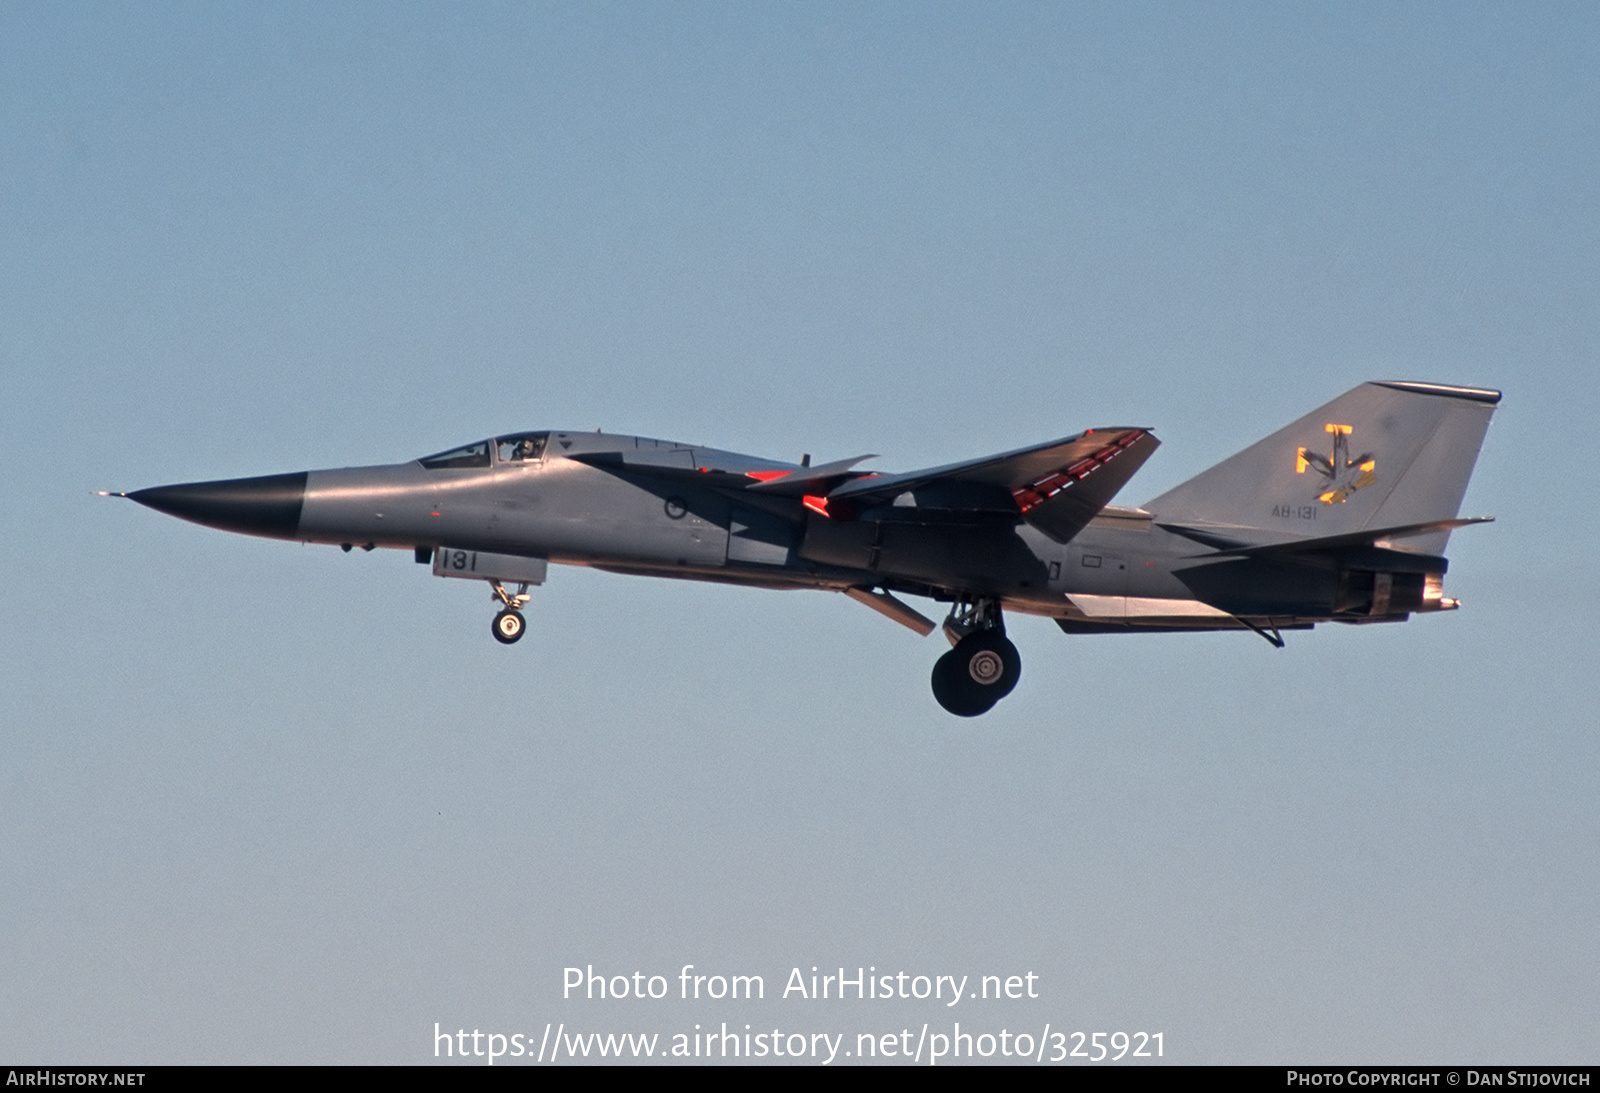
(516, 448)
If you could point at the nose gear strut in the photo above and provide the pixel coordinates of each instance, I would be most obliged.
(509, 624)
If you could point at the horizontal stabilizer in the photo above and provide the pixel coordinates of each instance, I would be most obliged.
(1129, 607)
(1327, 543)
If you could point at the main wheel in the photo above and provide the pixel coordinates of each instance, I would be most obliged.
(508, 626)
(981, 670)
(955, 691)
(991, 660)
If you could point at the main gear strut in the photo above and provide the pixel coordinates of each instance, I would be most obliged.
(982, 666)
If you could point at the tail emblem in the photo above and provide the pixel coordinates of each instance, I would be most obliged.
(1340, 473)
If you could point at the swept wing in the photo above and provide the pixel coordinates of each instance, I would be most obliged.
(1057, 487)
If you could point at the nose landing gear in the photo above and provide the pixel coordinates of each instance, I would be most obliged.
(983, 667)
(509, 625)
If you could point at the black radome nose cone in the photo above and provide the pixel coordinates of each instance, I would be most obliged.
(267, 506)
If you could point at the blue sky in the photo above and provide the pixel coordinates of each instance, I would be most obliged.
(267, 802)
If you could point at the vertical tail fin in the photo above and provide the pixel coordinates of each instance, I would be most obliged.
(1385, 454)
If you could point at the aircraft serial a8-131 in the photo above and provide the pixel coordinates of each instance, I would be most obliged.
(1342, 516)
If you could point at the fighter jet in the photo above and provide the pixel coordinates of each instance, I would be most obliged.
(1293, 531)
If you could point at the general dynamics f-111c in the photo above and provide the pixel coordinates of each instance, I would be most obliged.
(1342, 516)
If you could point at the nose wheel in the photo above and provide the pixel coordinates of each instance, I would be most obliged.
(509, 624)
(982, 668)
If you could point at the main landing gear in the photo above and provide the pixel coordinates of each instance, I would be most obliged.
(983, 667)
(509, 624)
